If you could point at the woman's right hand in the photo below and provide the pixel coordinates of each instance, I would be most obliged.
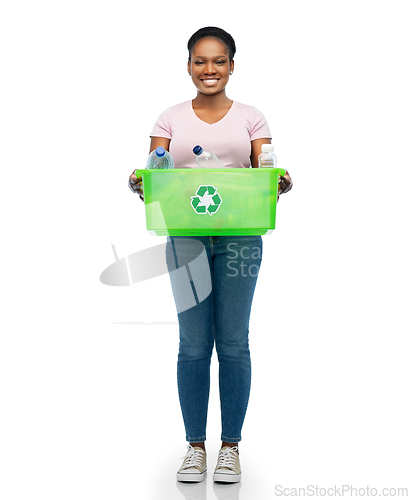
(135, 185)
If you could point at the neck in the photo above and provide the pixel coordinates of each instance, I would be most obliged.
(219, 100)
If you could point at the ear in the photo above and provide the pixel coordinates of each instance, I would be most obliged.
(232, 65)
(188, 67)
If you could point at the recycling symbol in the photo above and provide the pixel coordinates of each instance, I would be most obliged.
(206, 200)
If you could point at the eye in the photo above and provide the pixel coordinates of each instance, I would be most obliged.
(198, 63)
(221, 62)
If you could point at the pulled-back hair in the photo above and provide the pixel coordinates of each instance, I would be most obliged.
(218, 33)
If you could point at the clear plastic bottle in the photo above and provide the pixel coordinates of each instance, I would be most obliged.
(206, 159)
(267, 158)
(160, 158)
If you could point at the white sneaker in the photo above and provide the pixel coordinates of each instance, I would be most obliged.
(193, 468)
(228, 465)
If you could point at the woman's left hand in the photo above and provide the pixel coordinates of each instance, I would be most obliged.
(285, 183)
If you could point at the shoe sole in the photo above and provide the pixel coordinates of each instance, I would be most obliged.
(226, 478)
(190, 478)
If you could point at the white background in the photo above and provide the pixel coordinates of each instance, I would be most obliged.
(88, 372)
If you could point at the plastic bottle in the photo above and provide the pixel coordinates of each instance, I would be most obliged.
(160, 158)
(267, 157)
(206, 159)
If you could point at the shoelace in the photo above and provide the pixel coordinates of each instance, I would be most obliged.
(227, 458)
(193, 457)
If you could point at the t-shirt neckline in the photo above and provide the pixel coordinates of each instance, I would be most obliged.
(215, 123)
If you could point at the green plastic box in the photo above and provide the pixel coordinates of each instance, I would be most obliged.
(211, 201)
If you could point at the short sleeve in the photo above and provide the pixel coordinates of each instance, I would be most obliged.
(163, 125)
(259, 128)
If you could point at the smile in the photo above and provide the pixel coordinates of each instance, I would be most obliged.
(210, 81)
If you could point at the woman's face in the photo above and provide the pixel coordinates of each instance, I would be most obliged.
(210, 66)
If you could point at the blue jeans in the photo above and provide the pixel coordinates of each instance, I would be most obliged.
(218, 315)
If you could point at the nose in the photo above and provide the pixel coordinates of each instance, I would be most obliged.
(209, 68)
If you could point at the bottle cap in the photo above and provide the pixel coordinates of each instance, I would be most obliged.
(267, 148)
(198, 150)
(160, 151)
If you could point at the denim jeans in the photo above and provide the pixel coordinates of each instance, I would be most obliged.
(219, 315)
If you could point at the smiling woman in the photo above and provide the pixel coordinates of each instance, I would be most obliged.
(235, 132)
(210, 66)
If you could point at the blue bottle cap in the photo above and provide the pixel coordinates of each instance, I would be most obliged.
(198, 150)
(160, 151)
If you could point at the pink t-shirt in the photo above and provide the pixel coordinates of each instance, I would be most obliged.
(229, 138)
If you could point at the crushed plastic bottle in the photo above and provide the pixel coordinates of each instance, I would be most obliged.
(267, 158)
(206, 159)
(160, 158)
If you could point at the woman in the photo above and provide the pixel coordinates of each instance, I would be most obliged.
(235, 133)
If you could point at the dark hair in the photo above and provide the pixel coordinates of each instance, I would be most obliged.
(222, 35)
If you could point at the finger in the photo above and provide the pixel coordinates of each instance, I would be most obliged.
(135, 188)
(286, 185)
(134, 178)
